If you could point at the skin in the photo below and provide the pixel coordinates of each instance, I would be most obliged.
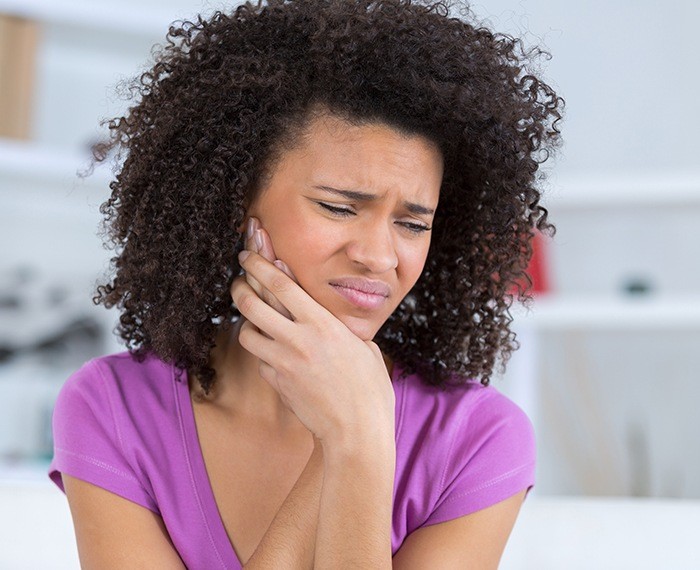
(379, 240)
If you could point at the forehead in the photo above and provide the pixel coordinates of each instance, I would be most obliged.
(372, 157)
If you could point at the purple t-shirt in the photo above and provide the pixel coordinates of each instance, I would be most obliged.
(128, 426)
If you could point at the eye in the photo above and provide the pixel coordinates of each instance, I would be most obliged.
(415, 228)
(346, 212)
(341, 212)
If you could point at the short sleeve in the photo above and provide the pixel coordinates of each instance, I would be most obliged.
(87, 441)
(492, 457)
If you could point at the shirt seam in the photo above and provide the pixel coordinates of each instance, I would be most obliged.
(111, 409)
(120, 439)
(490, 483)
(98, 463)
(183, 440)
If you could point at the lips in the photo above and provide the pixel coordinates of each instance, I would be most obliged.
(363, 285)
(362, 293)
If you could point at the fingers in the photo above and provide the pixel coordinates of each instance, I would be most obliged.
(284, 288)
(257, 311)
(251, 245)
(263, 242)
(258, 240)
(260, 345)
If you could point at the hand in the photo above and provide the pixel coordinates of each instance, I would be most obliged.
(258, 240)
(336, 383)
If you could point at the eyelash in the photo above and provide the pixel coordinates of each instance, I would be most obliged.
(344, 213)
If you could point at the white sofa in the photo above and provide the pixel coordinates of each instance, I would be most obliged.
(557, 533)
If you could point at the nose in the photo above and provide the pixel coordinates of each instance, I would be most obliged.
(374, 248)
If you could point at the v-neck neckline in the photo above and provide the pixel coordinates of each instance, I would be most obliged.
(202, 485)
(203, 490)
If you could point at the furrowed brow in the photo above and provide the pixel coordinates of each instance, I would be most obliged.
(366, 197)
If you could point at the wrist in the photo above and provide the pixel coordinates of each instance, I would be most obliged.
(359, 447)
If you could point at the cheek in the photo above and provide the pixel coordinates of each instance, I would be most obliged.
(299, 243)
(412, 260)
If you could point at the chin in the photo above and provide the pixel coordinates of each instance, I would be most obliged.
(361, 328)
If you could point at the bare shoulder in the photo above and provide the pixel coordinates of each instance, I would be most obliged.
(113, 532)
(474, 541)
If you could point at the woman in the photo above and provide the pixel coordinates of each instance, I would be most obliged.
(322, 210)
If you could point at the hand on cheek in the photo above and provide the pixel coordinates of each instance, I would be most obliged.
(258, 240)
(336, 383)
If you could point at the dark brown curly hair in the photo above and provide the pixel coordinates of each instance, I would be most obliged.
(228, 94)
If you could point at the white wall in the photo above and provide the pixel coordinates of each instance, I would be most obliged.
(629, 73)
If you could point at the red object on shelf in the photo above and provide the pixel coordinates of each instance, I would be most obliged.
(538, 267)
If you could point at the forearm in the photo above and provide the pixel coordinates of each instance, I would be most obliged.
(289, 542)
(354, 527)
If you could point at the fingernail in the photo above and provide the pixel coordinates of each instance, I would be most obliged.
(259, 239)
(250, 228)
(282, 266)
(243, 255)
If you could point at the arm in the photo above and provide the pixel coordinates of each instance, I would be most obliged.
(473, 541)
(291, 538)
(113, 532)
(354, 529)
(105, 522)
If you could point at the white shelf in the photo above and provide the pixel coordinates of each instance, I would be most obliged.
(611, 313)
(623, 189)
(35, 162)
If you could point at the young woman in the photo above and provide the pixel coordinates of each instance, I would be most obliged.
(322, 210)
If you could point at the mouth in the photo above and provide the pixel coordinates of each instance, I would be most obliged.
(361, 299)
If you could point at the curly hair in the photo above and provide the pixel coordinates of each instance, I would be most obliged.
(228, 94)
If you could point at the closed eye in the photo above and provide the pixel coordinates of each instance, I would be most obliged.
(415, 228)
(346, 212)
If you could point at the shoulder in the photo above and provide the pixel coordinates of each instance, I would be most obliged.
(117, 396)
(470, 445)
(120, 367)
(117, 376)
(110, 422)
(465, 414)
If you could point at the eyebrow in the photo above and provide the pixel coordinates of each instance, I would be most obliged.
(366, 197)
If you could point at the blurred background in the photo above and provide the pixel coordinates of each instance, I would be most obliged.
(607, 367)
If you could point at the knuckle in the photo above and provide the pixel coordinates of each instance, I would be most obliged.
(279, 283)
(332, 331)
(246, 302)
